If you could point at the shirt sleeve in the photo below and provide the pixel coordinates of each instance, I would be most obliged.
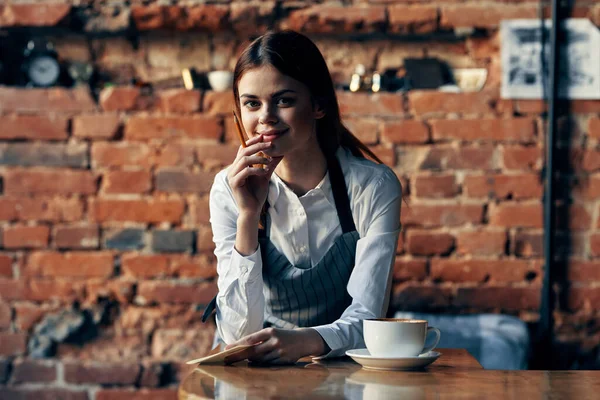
(371, 279)
(240, 301)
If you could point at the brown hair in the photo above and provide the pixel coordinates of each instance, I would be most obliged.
(296, 56)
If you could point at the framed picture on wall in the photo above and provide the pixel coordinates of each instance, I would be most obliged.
(526, 74)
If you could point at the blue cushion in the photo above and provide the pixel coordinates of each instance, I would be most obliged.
(496, 341)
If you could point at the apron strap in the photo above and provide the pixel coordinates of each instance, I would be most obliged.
(340, 194)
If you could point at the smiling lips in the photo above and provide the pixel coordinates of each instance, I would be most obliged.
(269, 136)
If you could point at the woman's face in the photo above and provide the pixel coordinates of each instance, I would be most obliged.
(278, 107)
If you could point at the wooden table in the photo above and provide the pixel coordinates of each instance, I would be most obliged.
(456, 374)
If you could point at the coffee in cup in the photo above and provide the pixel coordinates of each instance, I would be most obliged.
(393, 337)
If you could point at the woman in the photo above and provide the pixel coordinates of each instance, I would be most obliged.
(330, 219)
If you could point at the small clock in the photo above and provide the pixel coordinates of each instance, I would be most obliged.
(40, 64)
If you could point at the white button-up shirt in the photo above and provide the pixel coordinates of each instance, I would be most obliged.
(304, 228)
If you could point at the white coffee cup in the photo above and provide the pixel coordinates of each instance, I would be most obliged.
(392, 337)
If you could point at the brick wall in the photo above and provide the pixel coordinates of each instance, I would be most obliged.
(106, 254)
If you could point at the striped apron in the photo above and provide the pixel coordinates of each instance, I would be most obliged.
(305, 295)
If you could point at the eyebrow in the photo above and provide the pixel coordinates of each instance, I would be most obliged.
(279, 93)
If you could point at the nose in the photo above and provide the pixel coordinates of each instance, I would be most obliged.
(268, 115)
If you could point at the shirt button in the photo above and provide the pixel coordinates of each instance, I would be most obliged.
(300, 212)
(303, 249)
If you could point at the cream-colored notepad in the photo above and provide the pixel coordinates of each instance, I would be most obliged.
(220, 356)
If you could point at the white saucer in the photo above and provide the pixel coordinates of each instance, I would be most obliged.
(368, 361)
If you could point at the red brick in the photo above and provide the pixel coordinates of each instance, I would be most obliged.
(60, 290)
(481, 242)
(583, 298)
(366, 130)
(181, 154)
(70, 265)
(405, 132)
(141, 394)
(386, 153)
(29, 371)
(381, 104)
(426, 243)
(54, 99)
(173, 343)
(122, 373)
(498, 129)
(590, 161)
(119, 98)
(21, 237)
(127, 182)
(410, 269)
(594, 126)
(122, 154)
(76, 237)
(218, 103)
(47, 393)
(517, 187)
(5, 315)
(33, 127)
(522, 157)
(8, 208)
(484, 270)
(209, 17)
(437, 186)
(178, 101)
(583, 271)
(96, 126)
(55, 181)
(201, 266)
(531, 106)
(153, 211)
(216, 155)
(51, 209)
(516, 215)
(145, 266)
(182, 181)
(442, 215)
(337, 19)
(585, 107)
(107, 347)
(578, 217)
(11, 289)
(252, 18)
(204, 240)
(420, 297)
(483, 15)
(6, 262)
(471, 157)
(426, 102)
(528, 244)
(499, 297)
(33, 14)
(12, 344)
(595, 244)
(196, 127)
(119, 290)
(412, 18)
(200, 210)
(172, 292)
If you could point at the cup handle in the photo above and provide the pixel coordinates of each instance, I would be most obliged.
(437, 340)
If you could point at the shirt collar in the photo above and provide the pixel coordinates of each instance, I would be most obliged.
(276, 185)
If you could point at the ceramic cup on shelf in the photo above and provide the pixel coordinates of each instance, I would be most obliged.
(393, 337)
(220, 81)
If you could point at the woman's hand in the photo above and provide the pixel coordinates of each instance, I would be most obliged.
(250, 184)
(279, 346)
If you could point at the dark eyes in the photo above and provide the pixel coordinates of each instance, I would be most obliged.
(282, 101)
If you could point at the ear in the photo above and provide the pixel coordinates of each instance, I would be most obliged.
(319, 112)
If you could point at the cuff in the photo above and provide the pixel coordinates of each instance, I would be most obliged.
(249, 267)
(333, 341)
